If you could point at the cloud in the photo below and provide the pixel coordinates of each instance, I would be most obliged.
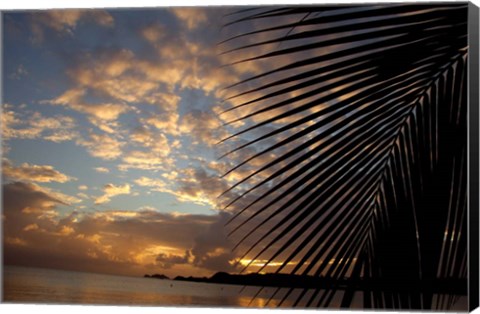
(83, 195)
(8, 120)
(128, 242)
(102, 146)
(157, 242)
(154, 141)
(74, 99)
(111, 190)
(127, 78)
(188, 185)
(83, 187)
(115, 73)
(34, 125)
(25, 204)
(101, 170)
(61, 136)
(191, 17)
(212, 249)
(19, 196)
(203, 126)
(154, 159)
(64, 22)
(165, 101)
(194, 185)
(167, 122)
(167, 261)
(156, 184)
(31, 227)
(107, 126)
(15, 241)
(33, 173)
(63, 198)
(108, 83)
(153, 32)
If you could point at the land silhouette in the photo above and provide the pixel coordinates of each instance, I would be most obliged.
(438, 286)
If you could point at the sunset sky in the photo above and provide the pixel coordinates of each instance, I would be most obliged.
(109, 125)
(110, 134)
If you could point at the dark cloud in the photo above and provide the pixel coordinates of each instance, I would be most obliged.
(63, 22)
(19, 195)
(23, 203)
(124, 242)
(212, 249)
(198, 183)
(167, 261)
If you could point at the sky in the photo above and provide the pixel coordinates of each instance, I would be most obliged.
(113, 129)
(110, 125)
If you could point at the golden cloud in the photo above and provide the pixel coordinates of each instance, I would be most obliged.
(15, 241)
(30, 227)
(114, 73)
(111, 190)
(34, 125)
(101, 170)
(153, 183)
(198, 186)
(102, 146)
(149, 160)
(58, 196)
(156, 142)
(83, 195)
(191, 17)
(167, 122)
(152, 33)
(74, 99)
(33, 173)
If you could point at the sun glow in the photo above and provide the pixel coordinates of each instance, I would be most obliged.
(149, 255)
(262, 263)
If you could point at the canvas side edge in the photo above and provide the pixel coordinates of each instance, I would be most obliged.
(473, 136)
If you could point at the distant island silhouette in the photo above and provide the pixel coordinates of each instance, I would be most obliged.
(156, 276)
(454, 286)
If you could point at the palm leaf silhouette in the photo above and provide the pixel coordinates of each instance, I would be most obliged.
(364, 117)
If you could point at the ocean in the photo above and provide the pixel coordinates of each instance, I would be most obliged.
(39, 285)
(48, 286)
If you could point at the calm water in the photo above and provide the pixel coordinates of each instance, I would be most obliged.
(38, 285)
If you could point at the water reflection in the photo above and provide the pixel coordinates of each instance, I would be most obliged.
(31, 285)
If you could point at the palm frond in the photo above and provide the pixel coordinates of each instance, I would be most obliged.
(365, 117)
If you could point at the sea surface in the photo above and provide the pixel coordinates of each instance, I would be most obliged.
(47, 286)
(39, 285)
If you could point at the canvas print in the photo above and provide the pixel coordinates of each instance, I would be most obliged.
(315, 156)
